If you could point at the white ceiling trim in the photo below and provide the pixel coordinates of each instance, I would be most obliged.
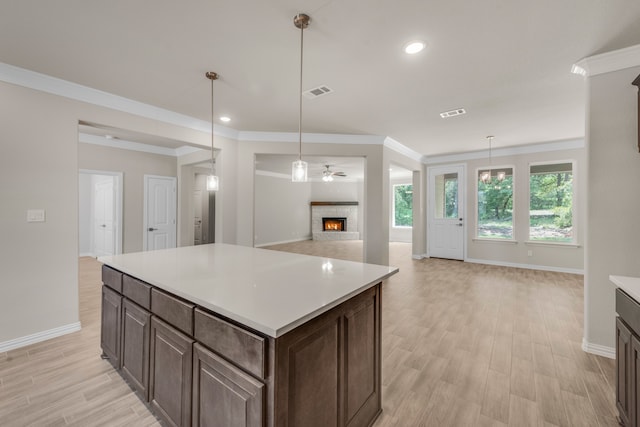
(570, 144)
(610, 61)
(45, 83)
(136, 146)
(394, 145)
(310, 138)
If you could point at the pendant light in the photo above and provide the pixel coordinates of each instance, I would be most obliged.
(299, 167)
(213, 183)
(485, 177)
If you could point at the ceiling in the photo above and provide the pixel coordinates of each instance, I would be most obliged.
(506, 62)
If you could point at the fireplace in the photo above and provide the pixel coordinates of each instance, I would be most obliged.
(334, 220)
(334, 224)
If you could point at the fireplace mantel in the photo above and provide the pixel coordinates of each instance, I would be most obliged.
(334, 203)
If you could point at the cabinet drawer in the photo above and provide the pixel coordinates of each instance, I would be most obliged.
(137, 291)
(174, 311)
(238, 345)
(628, 309)
(112, 278)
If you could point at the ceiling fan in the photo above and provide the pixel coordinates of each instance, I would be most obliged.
(327, 174)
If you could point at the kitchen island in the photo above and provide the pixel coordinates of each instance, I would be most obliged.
(230, 335)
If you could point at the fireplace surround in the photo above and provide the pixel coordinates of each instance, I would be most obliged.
(334, 220)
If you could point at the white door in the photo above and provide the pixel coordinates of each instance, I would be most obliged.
(104, 230)
(160, 212)
(446, 212)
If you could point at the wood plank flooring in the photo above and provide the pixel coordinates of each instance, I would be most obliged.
(463, 345)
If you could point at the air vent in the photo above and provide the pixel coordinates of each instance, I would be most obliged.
(453, 113)
(317, 91)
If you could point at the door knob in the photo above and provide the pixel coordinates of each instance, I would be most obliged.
(104, 226)
(152, 229)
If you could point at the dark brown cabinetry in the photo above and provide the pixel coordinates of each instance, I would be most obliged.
(195, 367)
(628, 359)
(171, 370)
(224, 393)
(135, 346)
(111, 330)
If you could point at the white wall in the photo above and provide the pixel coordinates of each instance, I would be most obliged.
(42, 302)
(283, 212)
(613, 229)
(85, 192)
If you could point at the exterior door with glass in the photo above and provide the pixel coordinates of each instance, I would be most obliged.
(446, 228)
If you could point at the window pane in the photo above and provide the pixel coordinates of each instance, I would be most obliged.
(403, 205)
(551, 202)
(495, 203)
(446, 187)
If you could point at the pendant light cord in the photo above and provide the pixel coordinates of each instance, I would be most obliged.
(212, 152)
(300, 95)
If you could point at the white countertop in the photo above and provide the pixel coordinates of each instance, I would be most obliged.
(270, 291)
(631, 285)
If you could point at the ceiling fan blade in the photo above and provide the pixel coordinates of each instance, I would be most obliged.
(338, 174)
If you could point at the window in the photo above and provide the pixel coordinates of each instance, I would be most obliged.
(495, 203)
(551, 202)
(446, 197)
(403, 205)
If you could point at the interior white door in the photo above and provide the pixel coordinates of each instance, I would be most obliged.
(104, 230)
(160, 212)
(446, 212)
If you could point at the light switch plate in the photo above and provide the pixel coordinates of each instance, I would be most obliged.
(35, 215)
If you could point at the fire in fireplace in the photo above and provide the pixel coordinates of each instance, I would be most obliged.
(334, 224)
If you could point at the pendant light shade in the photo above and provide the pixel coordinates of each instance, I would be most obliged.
(213, 183)
(299, 167)
(485, 176)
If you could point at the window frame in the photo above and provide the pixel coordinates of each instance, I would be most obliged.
(393, 206)
(574, 202)
(496, 168)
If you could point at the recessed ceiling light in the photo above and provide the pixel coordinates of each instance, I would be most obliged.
(414, 47)
(225, 119)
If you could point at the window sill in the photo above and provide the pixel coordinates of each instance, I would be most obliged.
(483, 240)
(548, 243)
(402, 227)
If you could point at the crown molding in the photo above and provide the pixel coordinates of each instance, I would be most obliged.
(45, 83)
(570, 144)
(136, 146)
(608, 61)
(310, 138)
(394, 145)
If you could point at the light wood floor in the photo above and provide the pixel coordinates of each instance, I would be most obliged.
(463, 345)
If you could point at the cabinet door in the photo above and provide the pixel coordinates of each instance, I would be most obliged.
(623, 370)
(224, 395)
(170, 373)
(634, 382)
(111, 327)
(362, 362)
(135, 346)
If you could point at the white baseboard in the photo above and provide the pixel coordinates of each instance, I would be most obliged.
(418, 256)
(598, 350)
(38, 337)
(300, 239)
(527, 266)
(87, 254)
